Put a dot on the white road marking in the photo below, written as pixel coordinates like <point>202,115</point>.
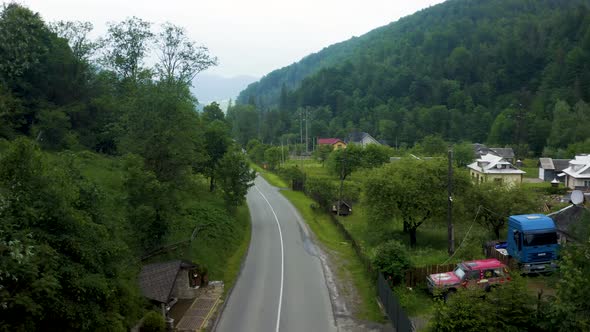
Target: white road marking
<point>282,258</point>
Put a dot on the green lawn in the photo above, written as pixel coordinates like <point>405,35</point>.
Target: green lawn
<point>272,178</point>
<point>349,265</point>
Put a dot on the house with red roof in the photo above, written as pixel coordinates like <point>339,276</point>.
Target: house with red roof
<point>336,143</point>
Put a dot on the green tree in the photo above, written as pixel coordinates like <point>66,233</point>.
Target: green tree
<point>322,152</point>
<point>213,112</point>
<point>217,143</point>
<point>412,191</point>
<point>345,161</point>
<point>392,259</point>
<point>125,46</point>
<point>234,177</point>
<point>463,154</point>
<point>509,307</point>
<point>180,59</point>
<point>76,33</point>
<point>375,155</point>
<point>571,310</point>
<point>273,156</point>
<point>498,202</point>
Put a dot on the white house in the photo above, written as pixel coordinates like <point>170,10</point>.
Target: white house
<point>492,168</point>
<point>577,175</point>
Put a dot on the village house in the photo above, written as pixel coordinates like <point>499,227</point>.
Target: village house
<point>493,168</point>
<point>336,143</point>
<point>549,169</point>
<point>506,153</point>
<point>577,174</point>
<point>361,138</point>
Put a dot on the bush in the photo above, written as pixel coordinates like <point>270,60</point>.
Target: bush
<point>321,189</point>
<point>289,174</point>
<point>392,259</point>
<point>153,322</point>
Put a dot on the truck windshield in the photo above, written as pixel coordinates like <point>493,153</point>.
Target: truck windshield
<point>540,239</point>
<point>459,272</point>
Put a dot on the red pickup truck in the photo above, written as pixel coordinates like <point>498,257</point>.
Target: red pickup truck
<point>482,273</point>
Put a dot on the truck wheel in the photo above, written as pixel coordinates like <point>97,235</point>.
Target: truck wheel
<point>449,293</point>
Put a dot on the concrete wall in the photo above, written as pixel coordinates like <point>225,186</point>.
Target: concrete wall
<point>505,179</point>
<point>572,183</point>
<point>182,289</point>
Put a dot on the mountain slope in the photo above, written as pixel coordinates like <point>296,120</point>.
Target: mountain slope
<point>464,69</point>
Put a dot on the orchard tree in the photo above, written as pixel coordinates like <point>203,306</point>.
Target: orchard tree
<point>345,161</point>
<point>272,156</point>
<point>322,152</point>
<point>413,191</point>
<point>498,202</point>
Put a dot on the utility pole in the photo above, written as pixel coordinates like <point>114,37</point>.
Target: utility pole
<point>301,126</point>
<point>451,232</point>
<point>306,136</point>
<point>341,183</point>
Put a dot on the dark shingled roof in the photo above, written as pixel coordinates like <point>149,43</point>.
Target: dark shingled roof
<point>156,281</point>
<point>506,153</point>
<point>561,164</point>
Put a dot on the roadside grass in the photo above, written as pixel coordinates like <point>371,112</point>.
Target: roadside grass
<point>348,262</point>
<point>272,178</point>
<point>234,262</point>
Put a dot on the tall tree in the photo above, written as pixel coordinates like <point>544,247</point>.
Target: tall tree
<point>76,33</point>
<point>126,45</point>
<point>180,59</point>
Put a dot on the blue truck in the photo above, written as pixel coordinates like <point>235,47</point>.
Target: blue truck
<point>531,242</point>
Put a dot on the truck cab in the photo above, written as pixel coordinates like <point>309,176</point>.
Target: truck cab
<point>532,241</point>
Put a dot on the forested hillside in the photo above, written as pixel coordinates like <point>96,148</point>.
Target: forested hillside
<point>103,159</point>
<point>506,72</point>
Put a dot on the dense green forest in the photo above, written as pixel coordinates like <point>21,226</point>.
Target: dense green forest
<point>506,72</point>
<point>102,159</point>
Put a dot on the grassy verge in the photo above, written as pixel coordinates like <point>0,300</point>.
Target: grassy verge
<point>272,178</point>
<point>349,266</point>
<point>235,261</point>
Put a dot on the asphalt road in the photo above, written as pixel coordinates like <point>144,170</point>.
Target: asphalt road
<point>282,286</point>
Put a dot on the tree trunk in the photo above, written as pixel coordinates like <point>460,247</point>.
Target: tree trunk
<point>212,184</point>
<point>412,231</point>
<point>497,232</point>
<point>405,227</point>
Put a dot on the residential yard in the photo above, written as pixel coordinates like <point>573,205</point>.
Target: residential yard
<point>431,246</point>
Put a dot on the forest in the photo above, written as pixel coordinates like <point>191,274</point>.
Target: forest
<point>504,72</point>
<point>102,159</point>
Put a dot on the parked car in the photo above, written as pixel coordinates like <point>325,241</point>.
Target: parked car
<point>484,273</point>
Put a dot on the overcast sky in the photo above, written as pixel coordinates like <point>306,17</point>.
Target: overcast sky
<point>250,37</point>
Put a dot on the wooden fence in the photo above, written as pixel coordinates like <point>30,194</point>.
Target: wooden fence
<point>418,275</point>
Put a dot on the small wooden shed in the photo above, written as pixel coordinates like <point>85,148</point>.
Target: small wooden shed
<point>345,208</point>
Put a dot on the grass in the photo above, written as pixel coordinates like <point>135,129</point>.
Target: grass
<point>272,178</point>
<point>349,265</point>
<point>234,262</point>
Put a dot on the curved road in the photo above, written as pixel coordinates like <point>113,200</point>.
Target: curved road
<point>282,285</point>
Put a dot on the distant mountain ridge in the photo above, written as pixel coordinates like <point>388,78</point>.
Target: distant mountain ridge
<point>209,87</point>
<point>505,72</point>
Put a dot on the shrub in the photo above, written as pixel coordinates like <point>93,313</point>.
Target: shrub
<point>392,259</point>
<point>321,189</point>
<point>153,322</point>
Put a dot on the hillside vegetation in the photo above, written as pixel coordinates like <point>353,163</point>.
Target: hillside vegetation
<point>103,160</point>
<point>506,72</point>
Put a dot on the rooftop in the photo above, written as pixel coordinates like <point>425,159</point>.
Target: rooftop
<point>329,140</point>
<point>533,222</point>
<point>490,163</point>
<point>483,264</point>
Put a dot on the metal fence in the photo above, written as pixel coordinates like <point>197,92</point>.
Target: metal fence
<point>400,321</point>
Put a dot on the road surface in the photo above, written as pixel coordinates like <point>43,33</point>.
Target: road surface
<point>282,286</point>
